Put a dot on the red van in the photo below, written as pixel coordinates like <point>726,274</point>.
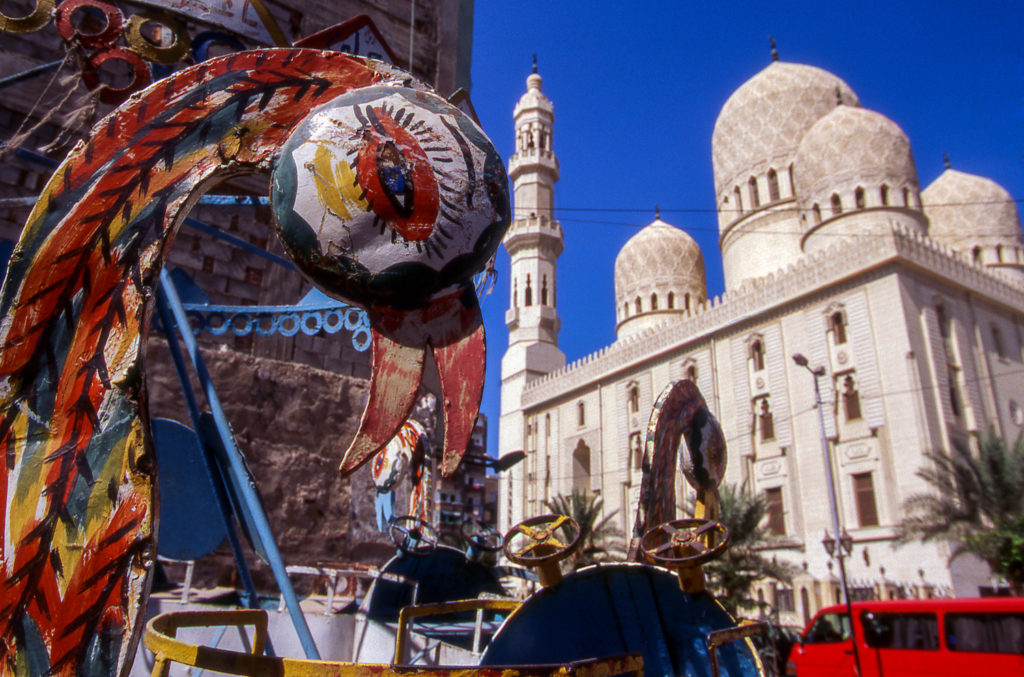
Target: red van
<point>914,637</point>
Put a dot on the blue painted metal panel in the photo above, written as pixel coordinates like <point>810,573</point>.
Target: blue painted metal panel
<point>614,609</point>
<point>186,495</point>
<point>444,575</point>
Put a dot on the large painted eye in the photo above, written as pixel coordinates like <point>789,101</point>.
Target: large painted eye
<point>394,170</point>
<point>390,195</point>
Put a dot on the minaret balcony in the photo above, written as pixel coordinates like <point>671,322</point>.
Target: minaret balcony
<point>535,160</point>
<point>534,233</point>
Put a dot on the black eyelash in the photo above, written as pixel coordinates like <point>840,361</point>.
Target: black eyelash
<point>446,203</point>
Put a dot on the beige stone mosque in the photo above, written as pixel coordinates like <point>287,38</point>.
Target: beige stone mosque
<point>911,300</point>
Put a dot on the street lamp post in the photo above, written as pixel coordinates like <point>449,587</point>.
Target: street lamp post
<point>836,549</point>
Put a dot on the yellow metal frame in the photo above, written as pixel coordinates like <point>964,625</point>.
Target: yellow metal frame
<point>160,639</point>
<point>407,614</point>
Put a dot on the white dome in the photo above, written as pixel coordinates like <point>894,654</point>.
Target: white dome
<point>659,265</point>
<point>851,149</point>
<point>762,123</point>
<point>965,211</point>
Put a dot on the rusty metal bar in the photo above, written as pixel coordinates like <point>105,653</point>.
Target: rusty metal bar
<point>407,614</point>
<point>160,639</point>
<point>717,638</point>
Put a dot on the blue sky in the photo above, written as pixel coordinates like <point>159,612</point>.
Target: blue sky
<point>636,91</point>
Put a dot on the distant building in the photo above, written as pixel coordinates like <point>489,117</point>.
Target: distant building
<point>463,496</point>
<point>912,301</point>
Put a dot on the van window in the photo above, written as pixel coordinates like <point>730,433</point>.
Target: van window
<point>901,631</point>
<point>829,628</point>
<point>985,632</point>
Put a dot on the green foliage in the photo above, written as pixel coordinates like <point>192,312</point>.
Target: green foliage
<point>976,504</point>
<point>601,540</point>
<point>733,575</point>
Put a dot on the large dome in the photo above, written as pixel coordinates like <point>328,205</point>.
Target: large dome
<point>761,124</point>
<point>659,270</point>
<point>851,150</point>
<point>966,211</point>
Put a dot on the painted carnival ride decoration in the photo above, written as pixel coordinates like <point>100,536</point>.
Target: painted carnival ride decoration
<point>605,619</point>
<point>76,481</point>
<point>406,453</point>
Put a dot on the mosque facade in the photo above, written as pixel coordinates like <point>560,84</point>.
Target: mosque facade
<point>911,300</point>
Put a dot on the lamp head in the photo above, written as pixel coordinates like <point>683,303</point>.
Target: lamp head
<point>829,543</point>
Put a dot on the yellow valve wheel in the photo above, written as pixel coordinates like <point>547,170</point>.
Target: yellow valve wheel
<point>543,548</point>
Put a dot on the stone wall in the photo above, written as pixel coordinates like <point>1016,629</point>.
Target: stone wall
<point>292,422</point>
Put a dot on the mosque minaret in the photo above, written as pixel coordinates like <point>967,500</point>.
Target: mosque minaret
<point>534,242</point>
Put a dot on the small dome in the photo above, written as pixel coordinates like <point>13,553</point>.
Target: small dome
<point>533,98</point>
<point>762,123</point>
<point>966,211</point>
<point>661,267</point>
<point>851,149</point>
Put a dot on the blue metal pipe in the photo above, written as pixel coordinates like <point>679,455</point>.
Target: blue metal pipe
<point>223,503</point>
<point>238,468</point>
<point>30,73</point>
<point>238,242</point>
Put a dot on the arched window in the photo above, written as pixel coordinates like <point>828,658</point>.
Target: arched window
<point>755,199</point>
<point>625,310</point>
<point>528,294</point>
<point>686,300</point>
<point>997,341</point>
<point>654,301</point>
<point>757,355</point>
<point>955,399</point>
<point>581,413</point>
<point>773,185</point>
<point>976,252</point>
<point>739,200</point>
<point>883,194</point>
<point>858,198</point>
<point>943,321</point>
<point>765,420</point>
<point>544,291</point>
<point>792,183</point>
<point>999,253</point>
<point>817,213</point>
<point>581,467</point>
<point>837,204</point>
<point>637,305</point>
<point>837,325</point>
<point>515,293</point>
<point>691,373</point>
<point>671,300</point>
<point>906,196</point>
<point>633,397</point>
<point>851,399</point>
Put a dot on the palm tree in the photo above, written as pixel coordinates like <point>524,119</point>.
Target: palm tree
<point>976,504</point>
<point>744,562</point>
<point>601,540</point>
